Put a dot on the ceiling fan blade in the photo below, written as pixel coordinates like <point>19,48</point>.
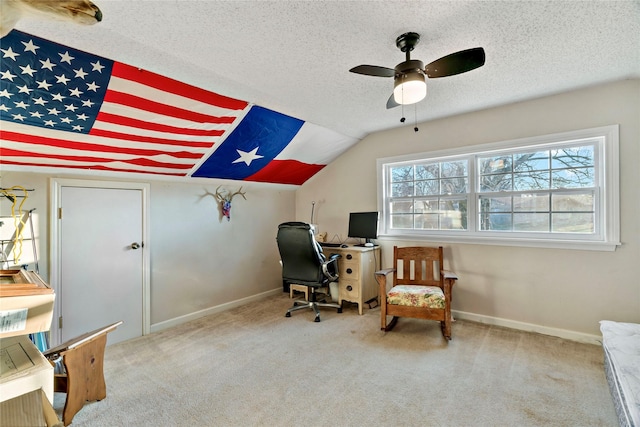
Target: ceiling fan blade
<point>391,102</point>
<point>373,70</point>
<point>456,63</point>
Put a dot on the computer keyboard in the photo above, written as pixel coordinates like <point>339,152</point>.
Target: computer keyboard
<point>329,245</point>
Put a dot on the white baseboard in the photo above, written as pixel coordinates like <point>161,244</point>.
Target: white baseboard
<point>488,320</point>
<point>156,327</point>
<point>529,327</point>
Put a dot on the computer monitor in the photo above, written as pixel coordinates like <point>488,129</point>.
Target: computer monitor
<point>363,225</point>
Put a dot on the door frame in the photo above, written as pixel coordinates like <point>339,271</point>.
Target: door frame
<point>55,188</point>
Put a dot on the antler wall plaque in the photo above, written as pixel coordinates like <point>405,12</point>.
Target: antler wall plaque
<point>224,198</point>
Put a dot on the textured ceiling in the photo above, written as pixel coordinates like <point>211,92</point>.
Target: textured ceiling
<point>293,56</point>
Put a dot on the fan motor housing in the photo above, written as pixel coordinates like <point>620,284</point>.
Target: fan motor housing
<point>409,66</point>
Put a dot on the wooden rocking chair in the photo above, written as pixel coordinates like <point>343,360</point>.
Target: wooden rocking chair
<point>420,289</point>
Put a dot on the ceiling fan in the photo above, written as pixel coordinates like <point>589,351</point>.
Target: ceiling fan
<point>409,76</point>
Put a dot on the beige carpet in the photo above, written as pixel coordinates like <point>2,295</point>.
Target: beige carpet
<point>251,366</point>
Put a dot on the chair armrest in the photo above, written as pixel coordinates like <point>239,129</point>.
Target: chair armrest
<point>449,279</point>
<point>333,259</point>
<point>385,271</point>
<point>448,275</point>
<point>381,278</point>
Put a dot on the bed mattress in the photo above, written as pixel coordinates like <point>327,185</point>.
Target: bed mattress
<point>621,343</point>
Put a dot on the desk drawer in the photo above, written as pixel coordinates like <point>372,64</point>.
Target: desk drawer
<point>349,290</point>
<point>349,267</point>
<point>350,271</point>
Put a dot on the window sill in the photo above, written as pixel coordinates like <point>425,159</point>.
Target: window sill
<point>581,245</point>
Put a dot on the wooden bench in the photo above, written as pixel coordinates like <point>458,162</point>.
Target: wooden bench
<point>83,360</point>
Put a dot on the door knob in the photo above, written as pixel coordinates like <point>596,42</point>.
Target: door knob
<point>135,245</point>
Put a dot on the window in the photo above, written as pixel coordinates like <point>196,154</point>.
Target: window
<point>551,191</point>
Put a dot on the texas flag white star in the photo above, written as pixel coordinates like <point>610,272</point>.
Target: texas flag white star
<point>247,157</point>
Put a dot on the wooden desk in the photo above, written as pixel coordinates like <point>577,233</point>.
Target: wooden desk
<point>357,266</point>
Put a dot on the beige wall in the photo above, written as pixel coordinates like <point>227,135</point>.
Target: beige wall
<point>198,263</point>
<point>554,291</point>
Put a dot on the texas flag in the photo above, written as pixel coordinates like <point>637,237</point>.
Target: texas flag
<point>271,147</point>
<point>65,108</point>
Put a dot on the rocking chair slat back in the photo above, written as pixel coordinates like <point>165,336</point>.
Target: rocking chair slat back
<point>418,266</point>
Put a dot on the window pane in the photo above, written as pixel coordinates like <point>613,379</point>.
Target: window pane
<point>495,204</point>
<point>531,203</point>
<point>427,222</point>
<point>402,221</point>
<point>403,189</point>
<point>453,169</point>
<point>401,206</point>
<point>427,171</point>
<point>573,202</point>
<point>453,214</point>
<point>573,222</point>
<point>403,173</point>
<point>495,183</point>
<point>495,222</point>
<point>420,206</point>
<point>531,181</point>
<point>498,164</point>
<point>527,162</point>
<point>572,157</point>
<point>454,186</point>
<point>573,178</point>
<point>531,222</point>
<point>427,188</point>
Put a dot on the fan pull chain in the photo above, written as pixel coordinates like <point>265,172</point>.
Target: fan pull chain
<point>415,129</point>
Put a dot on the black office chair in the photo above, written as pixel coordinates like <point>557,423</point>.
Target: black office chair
<point>303,263</point>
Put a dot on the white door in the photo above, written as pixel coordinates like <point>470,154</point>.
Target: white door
<point>101,261</point>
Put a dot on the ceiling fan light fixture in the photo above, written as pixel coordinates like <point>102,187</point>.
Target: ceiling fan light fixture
<point>409,88</point>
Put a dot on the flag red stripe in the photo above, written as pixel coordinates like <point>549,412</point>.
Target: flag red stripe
<point>141,124</point>
<point>151,140</point>
<point>18,153</point>
<point>166,110</point>
<point>285,172</point>
<point>73,145</point>
<point>169,85</point>
<point>94,167</point>
<point>137,161</point>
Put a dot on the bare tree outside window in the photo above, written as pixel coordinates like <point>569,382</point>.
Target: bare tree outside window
<point>549,190</point>
<point>518,191</point>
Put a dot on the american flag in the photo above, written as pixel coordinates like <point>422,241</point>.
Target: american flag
<point>64,108</point>
<point>61,107</point>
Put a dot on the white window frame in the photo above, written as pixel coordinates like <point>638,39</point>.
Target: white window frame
<point>606,236</point>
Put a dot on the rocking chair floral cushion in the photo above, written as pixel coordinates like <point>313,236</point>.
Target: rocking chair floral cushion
<point>420,288</point>
<point>417,296</point>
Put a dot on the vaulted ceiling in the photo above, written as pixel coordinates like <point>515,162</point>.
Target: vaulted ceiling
<point>283,66</point>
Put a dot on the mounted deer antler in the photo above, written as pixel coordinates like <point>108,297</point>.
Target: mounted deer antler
<point>224,198</point>
<point>78,11</point>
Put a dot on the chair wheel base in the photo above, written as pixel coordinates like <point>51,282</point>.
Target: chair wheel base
<point>317,319</point>
<point>287,314</point>
<point>340,310</point>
